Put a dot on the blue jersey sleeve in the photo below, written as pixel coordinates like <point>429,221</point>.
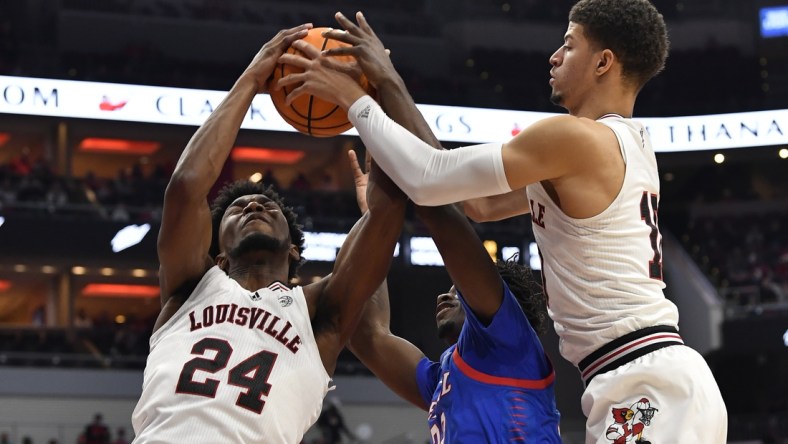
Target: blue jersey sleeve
<point>427,377</point>
<point>507,347</point>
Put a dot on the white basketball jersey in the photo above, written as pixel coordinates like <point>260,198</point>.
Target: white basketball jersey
<point>233,366</point>
<point>603,274</point>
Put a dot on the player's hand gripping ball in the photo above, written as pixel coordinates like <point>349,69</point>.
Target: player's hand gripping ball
<point>309,114</point>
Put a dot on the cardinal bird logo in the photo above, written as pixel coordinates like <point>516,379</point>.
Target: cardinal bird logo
<point>629,423</point>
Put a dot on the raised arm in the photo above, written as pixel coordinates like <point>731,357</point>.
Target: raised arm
<point>360,267</point>
<point>185,234</point>
<point>546,150</point>
<point>466,259</point>
<point>392,359</point>
<point>470,267</point>
<point>392,94</point>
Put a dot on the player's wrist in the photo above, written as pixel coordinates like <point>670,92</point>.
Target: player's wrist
<point>393,83</point>
<point>249,80</point>
<point>358,104</point>
<point>349,98</point>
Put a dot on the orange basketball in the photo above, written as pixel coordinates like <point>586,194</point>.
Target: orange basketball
<point>309,114</point>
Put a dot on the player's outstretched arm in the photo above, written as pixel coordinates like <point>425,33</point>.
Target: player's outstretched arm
<point>185,233</point>
<point>549,149</point>
<point>392,94</point>
<point>469,265</point>
<point>392,359</point>
<point>546,150</point>
<point>361,266</point>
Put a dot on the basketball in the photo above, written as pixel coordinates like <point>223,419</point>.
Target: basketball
<point>309,114</point>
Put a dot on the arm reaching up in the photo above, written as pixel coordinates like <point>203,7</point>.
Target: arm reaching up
<point>392,359</point>
<point>403,146</point>
<point>185,234</point>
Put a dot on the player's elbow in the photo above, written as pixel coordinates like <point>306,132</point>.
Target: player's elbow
<point>474,212</point>
<point>362,344</point>
<point>425,196</point>
<point>179,187</point>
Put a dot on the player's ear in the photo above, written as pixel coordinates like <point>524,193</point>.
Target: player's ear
<point>222,262</point>
<point>294,254</point>
<point>604,61</point>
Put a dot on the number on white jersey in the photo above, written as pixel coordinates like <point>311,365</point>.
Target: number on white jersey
<point>258,365</point>
<point>648,213</point>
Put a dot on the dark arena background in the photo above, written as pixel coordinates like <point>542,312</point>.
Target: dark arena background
<point>99,97</point>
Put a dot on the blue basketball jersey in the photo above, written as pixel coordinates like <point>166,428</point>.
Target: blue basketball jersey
<point>494,386</point>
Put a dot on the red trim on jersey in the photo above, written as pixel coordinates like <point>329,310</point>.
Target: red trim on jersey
<point>278,286</point>
<point>655,338</point>
<point>535,384</point>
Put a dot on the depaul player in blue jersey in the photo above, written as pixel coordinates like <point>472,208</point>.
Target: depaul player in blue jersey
<point>494,384</point>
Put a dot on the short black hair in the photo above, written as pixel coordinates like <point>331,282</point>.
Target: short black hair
<point>232,191</point>
<point>633,29</point>
<point>527,290</point>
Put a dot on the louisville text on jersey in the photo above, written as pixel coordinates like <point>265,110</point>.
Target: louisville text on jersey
<point>249,317</point>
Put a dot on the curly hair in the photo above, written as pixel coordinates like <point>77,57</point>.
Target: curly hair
<point>527,291</point>
<point>232,191</point>
<point>633,29</point>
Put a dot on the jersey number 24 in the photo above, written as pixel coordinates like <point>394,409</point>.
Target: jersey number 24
<point>251,374</point>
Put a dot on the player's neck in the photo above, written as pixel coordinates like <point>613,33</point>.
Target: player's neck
<point>599,106</point>
<point>253,276</point>
<point>608,97</point>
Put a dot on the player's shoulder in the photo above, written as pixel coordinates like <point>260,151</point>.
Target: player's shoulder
<point>564,134</point>
<point>570,126</point>
<point>561,129</point>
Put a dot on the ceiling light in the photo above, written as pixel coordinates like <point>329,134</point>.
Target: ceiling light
<point>120,146</point>
<point>120,291</point>
<point>266,155</point>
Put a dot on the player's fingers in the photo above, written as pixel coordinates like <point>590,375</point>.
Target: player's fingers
<point>341,51</point>
<point>367,160</point>
<point>294,94</point>
<point>357,173</point>
<point>295,60</point>
<point>290,79</point>
<point>310,51</point>
<point>346,23</point>
<point>363,24</point>
<point>288,36</point>
<point>349,68</point>
<point>341,36</point>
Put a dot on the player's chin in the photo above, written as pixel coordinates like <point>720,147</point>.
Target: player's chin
<point>446,327</point>
<point>556,98</point>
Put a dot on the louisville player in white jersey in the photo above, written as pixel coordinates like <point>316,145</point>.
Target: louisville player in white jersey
<point>237,355</point>
<point>589,180</point>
